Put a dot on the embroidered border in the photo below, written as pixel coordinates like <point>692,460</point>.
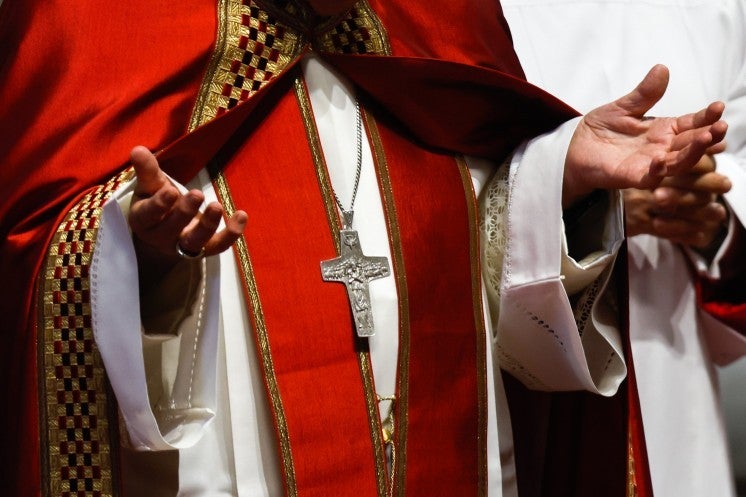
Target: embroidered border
<point>402,404</point>
<point>360,32</point>
<point>77,406</point>
<point>631,476</point>
<point>481,335</point>
<point>252,47</point>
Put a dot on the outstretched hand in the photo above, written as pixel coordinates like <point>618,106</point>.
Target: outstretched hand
<point>683,209</point>
<point>616,146</point>
<point>162,219</point>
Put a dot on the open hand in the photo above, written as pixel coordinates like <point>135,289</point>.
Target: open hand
<point>162,219</point>
<point>616,146</point>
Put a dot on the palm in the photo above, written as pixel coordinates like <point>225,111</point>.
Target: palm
<point>615,146</point>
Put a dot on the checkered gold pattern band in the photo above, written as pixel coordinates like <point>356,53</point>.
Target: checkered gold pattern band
<point>255,44</point>
<point>252,48</point>
<point>77,406</point>
<point>360,32</point>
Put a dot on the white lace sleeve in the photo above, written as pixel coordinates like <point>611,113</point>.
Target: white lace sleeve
<point>542,337</point>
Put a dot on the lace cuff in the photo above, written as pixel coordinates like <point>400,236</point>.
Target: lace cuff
<point>541,337</point>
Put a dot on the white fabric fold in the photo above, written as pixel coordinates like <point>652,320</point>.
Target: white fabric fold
<point>537,330</point>
<point>115,307</point>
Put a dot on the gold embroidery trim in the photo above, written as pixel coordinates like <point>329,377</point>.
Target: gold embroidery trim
<point>631,477</point>
<point>314,144</point>
<point>251,48</point>
<point>402,401</point>
<point>360,32</point>
<point>75,425</point>
<point>481,338</point>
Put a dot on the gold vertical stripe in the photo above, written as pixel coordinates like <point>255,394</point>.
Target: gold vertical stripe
<point>381,45</point>
<point>263,340</point>
<point>631,477</point>
<point>364,362</point>
<point>481,338</point>
<point>314,144</point>
<point>200,106</point>
<point>371,402</point>
<point>402,401</point>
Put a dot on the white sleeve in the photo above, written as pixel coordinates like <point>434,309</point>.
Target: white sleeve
<point>537,336</point>
<point>165,386</point>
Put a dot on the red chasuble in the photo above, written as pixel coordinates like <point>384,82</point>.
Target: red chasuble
<point>83,82</point>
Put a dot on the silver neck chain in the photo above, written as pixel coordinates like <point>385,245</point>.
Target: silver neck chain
<point>359,167</point>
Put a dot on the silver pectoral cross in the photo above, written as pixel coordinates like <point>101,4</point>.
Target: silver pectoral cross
<point>355,270</point>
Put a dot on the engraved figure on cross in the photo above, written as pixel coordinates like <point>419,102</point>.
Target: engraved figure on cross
<point>356,270</point>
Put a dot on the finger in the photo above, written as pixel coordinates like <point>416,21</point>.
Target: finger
<point>687,148</point>
<point>222,240</point>
<point>704,117</point>
<point>712,183</point>
<point>718,131</point>
<point>705,165</point>
<point>150,178</point>
<point>717,148</point>
<point>162,234</point>
<point>148,212</point>
<point>684,232</point>
<point>706,136</point>
<point>185,212</point>
<point>202,227</point>
<point>667,198</point>
<point>647,93</point>
<point>708,216</point>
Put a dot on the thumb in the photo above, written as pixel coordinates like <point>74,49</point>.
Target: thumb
<point>647,93</point>
<point>150,178</point>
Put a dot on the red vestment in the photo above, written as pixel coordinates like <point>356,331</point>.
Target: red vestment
<point>82,84</point>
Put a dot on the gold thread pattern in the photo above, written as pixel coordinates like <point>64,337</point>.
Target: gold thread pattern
<point>360,32</point>
<point>481,338</point>
<point>402,404</point>
<point>252,47</point>
<point>79,443</point>
<point>314,144</point>
<point>255,44</point>
<point>631,477</point>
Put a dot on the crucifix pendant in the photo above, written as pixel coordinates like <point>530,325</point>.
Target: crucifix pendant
<point>355,270</point>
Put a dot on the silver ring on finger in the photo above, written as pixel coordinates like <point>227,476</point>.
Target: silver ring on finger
<point>188,254</point>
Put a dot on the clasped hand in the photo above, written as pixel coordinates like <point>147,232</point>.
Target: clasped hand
<point>683,209</point>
